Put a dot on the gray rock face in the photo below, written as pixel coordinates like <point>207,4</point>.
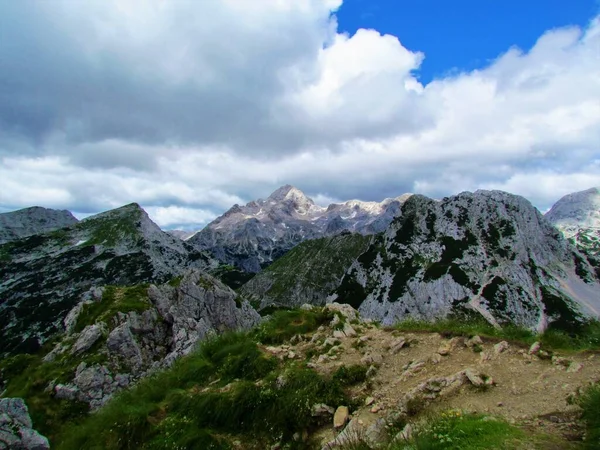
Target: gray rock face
<point>252,236</point>
<point>16,430</point>
<point>181,234</point>
<point>488,253</point>
<point>141,342</point>
<point>577,216</point>
<point>43,276</point>
<point>30,221</point>
<point>87,338</point>
<point>306,274</point>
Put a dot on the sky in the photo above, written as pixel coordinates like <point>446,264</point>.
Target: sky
<point>188,107</point>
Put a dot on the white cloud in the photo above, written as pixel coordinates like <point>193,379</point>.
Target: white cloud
<point>190,107</point>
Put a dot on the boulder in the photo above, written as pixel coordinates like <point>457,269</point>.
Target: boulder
<point>341,416</point>
<point>16,429</point>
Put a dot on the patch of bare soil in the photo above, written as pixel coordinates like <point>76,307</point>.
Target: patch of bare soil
<point>523,388</point>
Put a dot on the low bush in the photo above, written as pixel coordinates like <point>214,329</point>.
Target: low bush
<point>590,403</point>
<point>284,324</point>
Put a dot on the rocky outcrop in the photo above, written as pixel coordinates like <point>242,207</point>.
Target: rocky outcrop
<point>577,216</point>
<point>35,220</point>
<point>136,343</point>
<point>250,237</point>
<point>487,253</point>
<point>43,276</point>
<point>307,273</point>
<point>16,429</point>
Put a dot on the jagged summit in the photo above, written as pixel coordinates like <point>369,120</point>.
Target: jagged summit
<point>253,235</point>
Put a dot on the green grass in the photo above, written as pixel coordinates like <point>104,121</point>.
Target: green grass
<point>351,375</point>
<point>114,300</point>
<point>457,431</point>
<point>590,403</point>
<point>207,400</point>
<point>285,324</point>
<point>587,337</point>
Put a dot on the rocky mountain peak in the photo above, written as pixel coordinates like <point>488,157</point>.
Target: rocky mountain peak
<point>252,236</point>
<point>576,210</point>
<point>29,221</point>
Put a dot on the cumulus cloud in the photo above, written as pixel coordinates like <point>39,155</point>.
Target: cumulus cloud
<point>190,107</point>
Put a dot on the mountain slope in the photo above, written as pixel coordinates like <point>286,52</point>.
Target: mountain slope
<point>30,221</point>
<point>307,273</point>
<point>42,276</point>
<point>252,236</point>
<point>488,252</point>
<point>577,216</point>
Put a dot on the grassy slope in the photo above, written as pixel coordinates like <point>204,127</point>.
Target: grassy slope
<point>318,264</point>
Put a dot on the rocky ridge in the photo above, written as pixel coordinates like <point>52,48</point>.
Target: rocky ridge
<point>116,336</point>
<point>35,220</point>
<point>252,236</point>
<point>43,276</point>
<point>487,253</point>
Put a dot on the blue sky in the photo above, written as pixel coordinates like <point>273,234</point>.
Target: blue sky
<point>463,34</point>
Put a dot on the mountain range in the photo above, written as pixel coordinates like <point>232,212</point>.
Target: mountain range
<point>250,237</point>
<point>487,253</point>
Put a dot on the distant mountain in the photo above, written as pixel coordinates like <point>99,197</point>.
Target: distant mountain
<point>252,236</point>
<point>43,276</point>
<point>30,221</point>
<point>306,274</point>
<point>490,254</point>
<point>577,216</point>
<point>181,234</point>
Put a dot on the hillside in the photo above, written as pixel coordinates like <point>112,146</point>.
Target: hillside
<point>30,221</point>
<point>43,276</point>
<point>326,379</point>
<point>306,274</point>
<point>489,254</point>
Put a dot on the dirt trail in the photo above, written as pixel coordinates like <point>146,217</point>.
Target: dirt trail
<point>527,390</point>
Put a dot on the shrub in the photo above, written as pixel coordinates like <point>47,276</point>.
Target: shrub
<point>285,324</point>
<point>590,403</point>
<point>350,375</point>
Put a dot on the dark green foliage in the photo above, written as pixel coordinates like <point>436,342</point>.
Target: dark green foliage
<point>494,294</point>
<point>236,356</point>
<point>350,375</point>
<point>232,276</point>
<point>561,312</point>
<point>182,407</point>
<point>285,324</point>
<point>590,403</point>
<point>351,292</point>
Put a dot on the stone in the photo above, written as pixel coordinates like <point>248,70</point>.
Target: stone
<point>446,347</point>
<point>371,371</point>
<point>374,359</point>
<point>560,361</point>
<point>574,367</point>
<point>16,430</point>
<point>348,330</point>
<point>473,341</point>
<point>341,416</point>
<point>87,338</point>
<point>369,401</point>
<point>344,309</point>
<point>396,345</point>
<point>436,358</point>
<point>535,348</point>
<point>474,378</point>
<point>67,392</point>
<point>321,410</point>
<point>375,409</point>
<point>500,347</point>
<point>338,334</point>
<point>307,307</point>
